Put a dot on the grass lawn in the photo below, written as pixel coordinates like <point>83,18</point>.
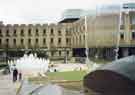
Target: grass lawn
<point>70,75</point>
<point>74,79</point>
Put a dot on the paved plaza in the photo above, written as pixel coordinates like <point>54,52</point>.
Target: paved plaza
<point>6,85</point>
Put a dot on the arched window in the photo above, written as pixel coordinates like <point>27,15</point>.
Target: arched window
<point>44,41</point>
<point>36,40</point>
<point>22,41</point>
<point>59,33</point>
<point>22,32</point>
<point>29,41</point>
<point>29,32</point>
<point>44,32</point>
<point>52,32</point>
<point>37,32</point>
<point>59,40</point>
<point>14,41</point>
<point>7,32</point>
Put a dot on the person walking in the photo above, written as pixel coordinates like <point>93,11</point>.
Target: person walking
<point>15,74</point>
<point>20,76</point>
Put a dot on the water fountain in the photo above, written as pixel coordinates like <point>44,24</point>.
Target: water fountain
<point>30,64</point>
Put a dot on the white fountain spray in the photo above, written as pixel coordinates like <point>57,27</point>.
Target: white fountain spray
<point>30,64</point>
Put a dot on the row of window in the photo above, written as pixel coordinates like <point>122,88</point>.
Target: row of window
<point>60,53</point>
<point>68,41</point>
<point>122,35</point>
<point>30,32</point>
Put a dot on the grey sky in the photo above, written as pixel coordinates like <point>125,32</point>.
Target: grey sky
<point>43,11</point>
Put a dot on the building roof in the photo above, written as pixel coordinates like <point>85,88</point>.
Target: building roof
<point>69,20</point>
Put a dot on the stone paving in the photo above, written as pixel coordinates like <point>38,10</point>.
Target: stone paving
<point>7,87</point>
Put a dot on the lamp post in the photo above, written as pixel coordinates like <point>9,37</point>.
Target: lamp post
<point>6,53</point>
<point>6,57</point>
<point>119,30</point>
<point>86,40</point>
<point>66,59</point>
<point>118,33</point>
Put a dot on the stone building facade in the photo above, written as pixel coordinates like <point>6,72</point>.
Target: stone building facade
<point>53,40</point>
<point>105,32</point>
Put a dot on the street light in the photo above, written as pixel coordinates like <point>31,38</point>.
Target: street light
<point>6,53</point>
<point>87,61</point>
<point>6,59</point>
<point>118,34</point>
<point>86,45</point>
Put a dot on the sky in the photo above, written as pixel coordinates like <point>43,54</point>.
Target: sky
<point>44,11</point>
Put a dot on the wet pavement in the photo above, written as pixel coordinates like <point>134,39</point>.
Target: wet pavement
<point>53,89</point>
<point>7,87</point>
<point>27,88</point>
<point>48,89</point>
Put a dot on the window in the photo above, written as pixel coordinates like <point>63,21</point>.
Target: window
<point>7,33</point>
<point>0,41</point>
<point>59,40</point>
<point>52,32</point>
<point>133,35</point>
<point>68,32</point>
<point>14,41</point>
<point>0,32</point>
<point>7,41</point>
<point>122,36</point>
<point>59,33</point>
<point>67,53</point>
<point>44,32</point>
<point>121,27</point>
<point>51,40</point>
<point>22,32</point>
<point>59,53</point>
<point>44,41</point>
<point>14,33</point>
<point>67,40</point>
<point>52,53</point>
<point>29,32</point>
<point>36,30</point>
<point>29,41</point>
<point>22,41</point>
<point>37,34</point>
<point>84,37</point>
<point>36,40</point>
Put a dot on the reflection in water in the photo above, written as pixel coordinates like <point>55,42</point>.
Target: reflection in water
<point>53,89</point>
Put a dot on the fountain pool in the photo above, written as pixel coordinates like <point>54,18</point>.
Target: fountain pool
<point>30,64</point>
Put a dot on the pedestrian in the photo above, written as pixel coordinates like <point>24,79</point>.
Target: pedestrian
<point>20,76</point>
<point>15,74</point>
